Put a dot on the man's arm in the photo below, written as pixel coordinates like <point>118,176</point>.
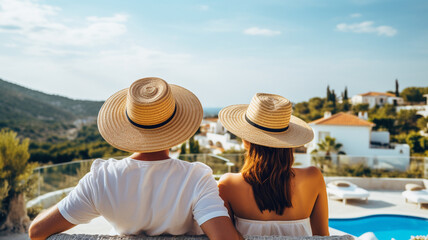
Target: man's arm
<point>48,223</point>
<point>220,228</point>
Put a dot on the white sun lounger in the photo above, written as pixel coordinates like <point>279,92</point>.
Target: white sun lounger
<point>418,197</point>
<point>341,191</point>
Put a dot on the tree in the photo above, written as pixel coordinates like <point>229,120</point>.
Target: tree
<point>327,146</point>
<point>328,97</point>
<point>194,145</point>
<point>397,92</point>
<point>345,94</point>
<point>422,124</point>
<point>414,94</point>
<point>345,106</point>
<point>333,100</point>
<point>415,143</point>
<point>16,179</point>
<point>183,148</point>
<point>364,107</point>
<point>407,121</point>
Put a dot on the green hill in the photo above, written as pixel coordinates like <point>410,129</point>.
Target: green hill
<point>38,115</point>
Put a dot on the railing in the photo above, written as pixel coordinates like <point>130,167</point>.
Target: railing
<point>371,166</point>
<point>65,175</point>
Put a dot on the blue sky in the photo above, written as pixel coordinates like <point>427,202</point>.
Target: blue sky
<point>223,51</point>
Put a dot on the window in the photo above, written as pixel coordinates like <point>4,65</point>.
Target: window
<point>322,135</point>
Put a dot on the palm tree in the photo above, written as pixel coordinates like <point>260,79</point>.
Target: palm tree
<point>327,146</point>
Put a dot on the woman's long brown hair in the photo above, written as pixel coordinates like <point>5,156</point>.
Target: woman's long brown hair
<point>268,170</point>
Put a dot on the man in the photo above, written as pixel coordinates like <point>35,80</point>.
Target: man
<point>148,192</point>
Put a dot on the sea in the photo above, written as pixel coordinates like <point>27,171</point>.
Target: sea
<point>211,112</point>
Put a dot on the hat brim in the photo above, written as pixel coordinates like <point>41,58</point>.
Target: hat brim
<point>120,133</point>
<point>297,134</point>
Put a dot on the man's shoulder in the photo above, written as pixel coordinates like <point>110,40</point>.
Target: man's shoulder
<point>101,165</point>
<point>192,165</point>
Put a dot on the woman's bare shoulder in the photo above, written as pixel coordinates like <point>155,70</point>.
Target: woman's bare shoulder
<point>310,173</point>
<point>230,178</point>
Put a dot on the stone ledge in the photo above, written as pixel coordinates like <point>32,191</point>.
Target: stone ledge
<point>63,236</point>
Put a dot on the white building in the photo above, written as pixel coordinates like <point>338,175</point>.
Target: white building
<point>376,98</point>
<point>359,141</point>
<point>421,109</point>
<point>215,136</point>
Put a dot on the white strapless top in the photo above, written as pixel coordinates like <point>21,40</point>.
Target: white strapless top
<point>249,227</point>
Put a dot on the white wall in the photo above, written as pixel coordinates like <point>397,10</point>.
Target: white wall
<point>225,141</point>
<point>422,109</point>
<point>355,139</point>
<point>375,100</point>
<point>302,160</point>
<point>399,150</point>
<point>357,99</point>
<point>380,136</point>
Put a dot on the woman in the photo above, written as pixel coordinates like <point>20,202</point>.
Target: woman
<point>269,196</point>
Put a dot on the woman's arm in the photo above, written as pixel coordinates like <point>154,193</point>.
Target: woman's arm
<point>223,184</point>
<point>319,215</point>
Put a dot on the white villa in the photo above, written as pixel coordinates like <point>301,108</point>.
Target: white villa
<point>359,142</point>
<point>376,98</point>
<point>215,136</point>
<point>421,109</point>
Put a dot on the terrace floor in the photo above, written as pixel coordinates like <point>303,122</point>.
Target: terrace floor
<point>380,202</point>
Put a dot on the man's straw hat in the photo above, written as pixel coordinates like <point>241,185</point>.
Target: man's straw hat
<point>149,116</point>
<point>267,121</point>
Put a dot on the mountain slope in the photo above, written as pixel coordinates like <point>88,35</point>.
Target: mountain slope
<point>21,102</point>
<point>37,115</point>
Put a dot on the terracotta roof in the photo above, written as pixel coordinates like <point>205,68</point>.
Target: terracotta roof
<point>211,119</point>
<point>344,119</point>
<point>377,94</point>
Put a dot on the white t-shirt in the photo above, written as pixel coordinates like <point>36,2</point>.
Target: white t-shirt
<point>149,197</point>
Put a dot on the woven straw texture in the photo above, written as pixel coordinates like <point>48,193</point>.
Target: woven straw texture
<point>269,111</point>
<point>105,237</point>
<point>149,104</point>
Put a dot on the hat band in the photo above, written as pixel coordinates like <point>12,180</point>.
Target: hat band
<point>265,128</point>
<point>152,126</point>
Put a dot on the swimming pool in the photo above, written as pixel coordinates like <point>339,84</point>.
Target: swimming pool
<point>384,226</point>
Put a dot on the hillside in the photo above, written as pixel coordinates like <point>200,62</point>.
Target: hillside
<point>38,115</point>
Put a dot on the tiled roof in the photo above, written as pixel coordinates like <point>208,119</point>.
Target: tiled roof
<point>377,94</point>
<point>344,119</point>
<point>211,119</point>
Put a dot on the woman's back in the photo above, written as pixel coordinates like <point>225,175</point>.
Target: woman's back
<point>268,188</point>
<point>308,198</point>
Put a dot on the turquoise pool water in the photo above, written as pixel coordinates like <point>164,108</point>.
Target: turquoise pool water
<point>384,227</point>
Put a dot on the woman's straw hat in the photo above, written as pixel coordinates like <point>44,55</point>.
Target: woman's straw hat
<point>267,121</point>
<point>149,116</point>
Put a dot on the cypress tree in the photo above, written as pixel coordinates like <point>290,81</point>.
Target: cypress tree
<point>328,93</point>
<point>397,92</point>
<point>345,94</point>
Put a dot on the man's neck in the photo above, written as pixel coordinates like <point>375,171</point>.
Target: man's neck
<point>151,156</point>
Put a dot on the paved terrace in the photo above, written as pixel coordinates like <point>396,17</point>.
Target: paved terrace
<point>380,202</point>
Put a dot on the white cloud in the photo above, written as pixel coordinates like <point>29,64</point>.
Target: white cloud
<point>367,27</point>
<point>37,25</point>
<point>261,31</point>
<point>355,15</point>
